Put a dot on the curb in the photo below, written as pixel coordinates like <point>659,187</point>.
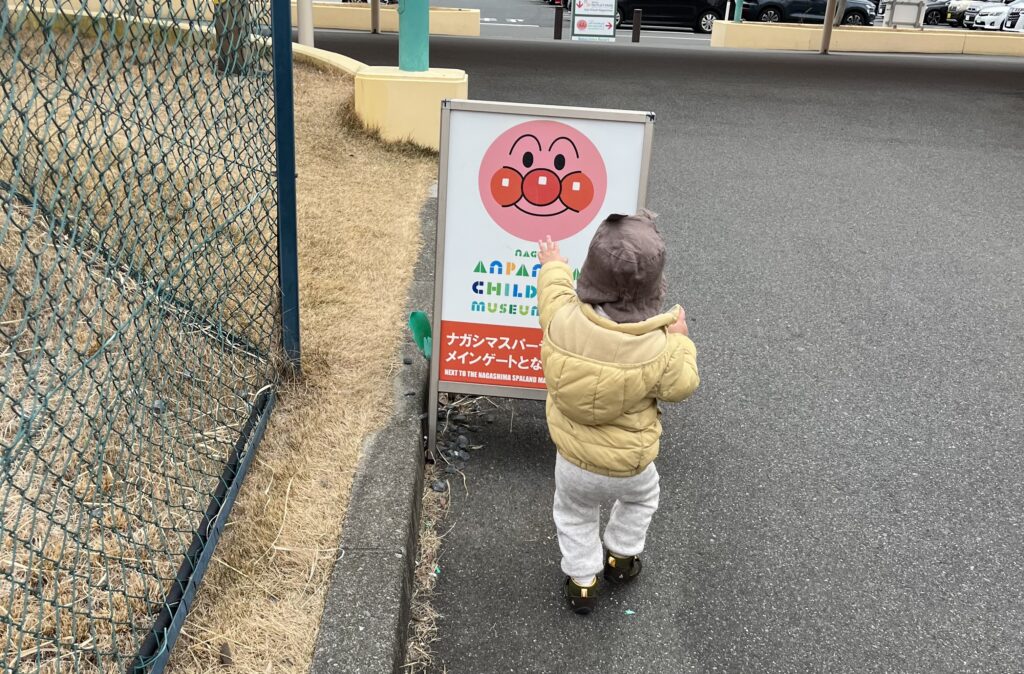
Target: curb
<point>366,614</point>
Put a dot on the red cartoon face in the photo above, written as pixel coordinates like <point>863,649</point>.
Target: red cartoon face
<point>540,178</point>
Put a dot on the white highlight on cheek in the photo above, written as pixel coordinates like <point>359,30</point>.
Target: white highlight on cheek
<point>542,180</point>
<point>576,186</point>
<point>504,182</point>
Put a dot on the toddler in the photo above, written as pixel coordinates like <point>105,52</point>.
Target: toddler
<point>609,356</point>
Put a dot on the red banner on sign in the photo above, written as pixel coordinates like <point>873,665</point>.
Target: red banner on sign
<point>495,355</point>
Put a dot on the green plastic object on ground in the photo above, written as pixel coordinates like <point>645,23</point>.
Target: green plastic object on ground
<point>419,324</point>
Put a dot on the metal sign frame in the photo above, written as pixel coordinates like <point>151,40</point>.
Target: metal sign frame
<point>538,111</point>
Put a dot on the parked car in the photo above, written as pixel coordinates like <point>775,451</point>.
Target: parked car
<point>934,11</point>
<point>1015,19</point>
<point>972,12</point>
<point>857,12</point>
<point>956,12</point>
<point>699,15</point>
<point>993,15</point>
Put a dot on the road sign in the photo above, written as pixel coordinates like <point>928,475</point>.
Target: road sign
<point>509,176</point>
<point>593,20</point>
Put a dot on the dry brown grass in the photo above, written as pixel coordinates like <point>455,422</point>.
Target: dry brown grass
<point>118,406</point>
<point>359,204</point>
<point>73,512</point>
<point>99,497</point>
<point>423,621</point>
<point>458,413</point>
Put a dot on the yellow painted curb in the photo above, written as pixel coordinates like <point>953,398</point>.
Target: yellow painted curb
<point>319,57</point>
<point>755,35</point>
<point>407,106</point>
<point>993,44</point>
<point>443,20</point>
<point>153,9</point>
<point>400,106</point>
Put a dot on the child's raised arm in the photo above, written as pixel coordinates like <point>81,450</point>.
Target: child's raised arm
<point>554,283</point>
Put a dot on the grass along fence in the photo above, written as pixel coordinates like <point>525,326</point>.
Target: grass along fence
<point>140,320</point>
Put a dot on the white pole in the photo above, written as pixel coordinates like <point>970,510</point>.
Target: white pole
<point>374,16</point>
<point>826,30</point>
<point>305,16</point>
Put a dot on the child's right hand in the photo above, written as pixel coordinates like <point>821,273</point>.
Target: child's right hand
<point>680,326</point>
<point>549,251</point>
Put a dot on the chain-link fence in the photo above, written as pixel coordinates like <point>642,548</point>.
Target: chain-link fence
<point>140,316</point>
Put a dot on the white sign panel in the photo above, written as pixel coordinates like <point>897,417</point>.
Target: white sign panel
<point>510,176</point>
<point>593,20</point>
<point>595,7</point>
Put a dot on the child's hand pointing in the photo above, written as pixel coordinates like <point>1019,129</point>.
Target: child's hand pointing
<point>549,251</point>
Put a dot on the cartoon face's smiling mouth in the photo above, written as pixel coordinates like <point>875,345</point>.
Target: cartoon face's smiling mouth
<point>545,212</point>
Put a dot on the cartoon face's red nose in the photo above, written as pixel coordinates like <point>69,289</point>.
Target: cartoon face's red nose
<point>541,187</point>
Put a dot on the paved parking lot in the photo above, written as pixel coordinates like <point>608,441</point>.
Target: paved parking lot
<point>843,494</point>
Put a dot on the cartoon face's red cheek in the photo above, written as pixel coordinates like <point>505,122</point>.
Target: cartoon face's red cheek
<point>577,191</point>
<point>506,186</point>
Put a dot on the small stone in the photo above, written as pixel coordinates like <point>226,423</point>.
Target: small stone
<point>159,406</point>
<point>462,442</point>
<point>407,360</point>
<point>226,658</point>
<point>439,486</point>
<point>451,470</point>
<point>489,418</point>
<point>460,418</point>
<point>459,455</point>
<point>473,429</point>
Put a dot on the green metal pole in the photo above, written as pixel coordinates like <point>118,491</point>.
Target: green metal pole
<point>737,14</point>
<point>414,35</point>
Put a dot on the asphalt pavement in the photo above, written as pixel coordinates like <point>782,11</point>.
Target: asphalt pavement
<point>844,492</point>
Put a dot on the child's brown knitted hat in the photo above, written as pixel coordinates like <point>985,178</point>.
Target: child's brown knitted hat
<point>623,270</point>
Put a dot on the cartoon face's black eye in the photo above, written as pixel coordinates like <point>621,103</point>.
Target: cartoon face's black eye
<point>528,159</point>
<point>559,162</point>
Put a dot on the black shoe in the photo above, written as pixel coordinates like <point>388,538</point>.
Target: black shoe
<point>581,599</point>
<point>620,570</point>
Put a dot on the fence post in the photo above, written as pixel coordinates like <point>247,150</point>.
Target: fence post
<point>738,12</point>
<point>638,19</point>
<point>559,17</point>
<point>284,116</point>
<point>374,16</point>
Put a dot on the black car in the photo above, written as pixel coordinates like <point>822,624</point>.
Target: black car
<point>857,12</point>
<point>699,15</point>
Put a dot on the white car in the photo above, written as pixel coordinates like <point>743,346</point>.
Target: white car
<point>1015,18</point>
<point>992,17</point>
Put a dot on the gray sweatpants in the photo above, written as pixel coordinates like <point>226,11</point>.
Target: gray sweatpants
<point>578,498</point>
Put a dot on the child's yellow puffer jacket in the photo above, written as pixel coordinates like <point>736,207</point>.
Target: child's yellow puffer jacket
<point>605,379</point>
